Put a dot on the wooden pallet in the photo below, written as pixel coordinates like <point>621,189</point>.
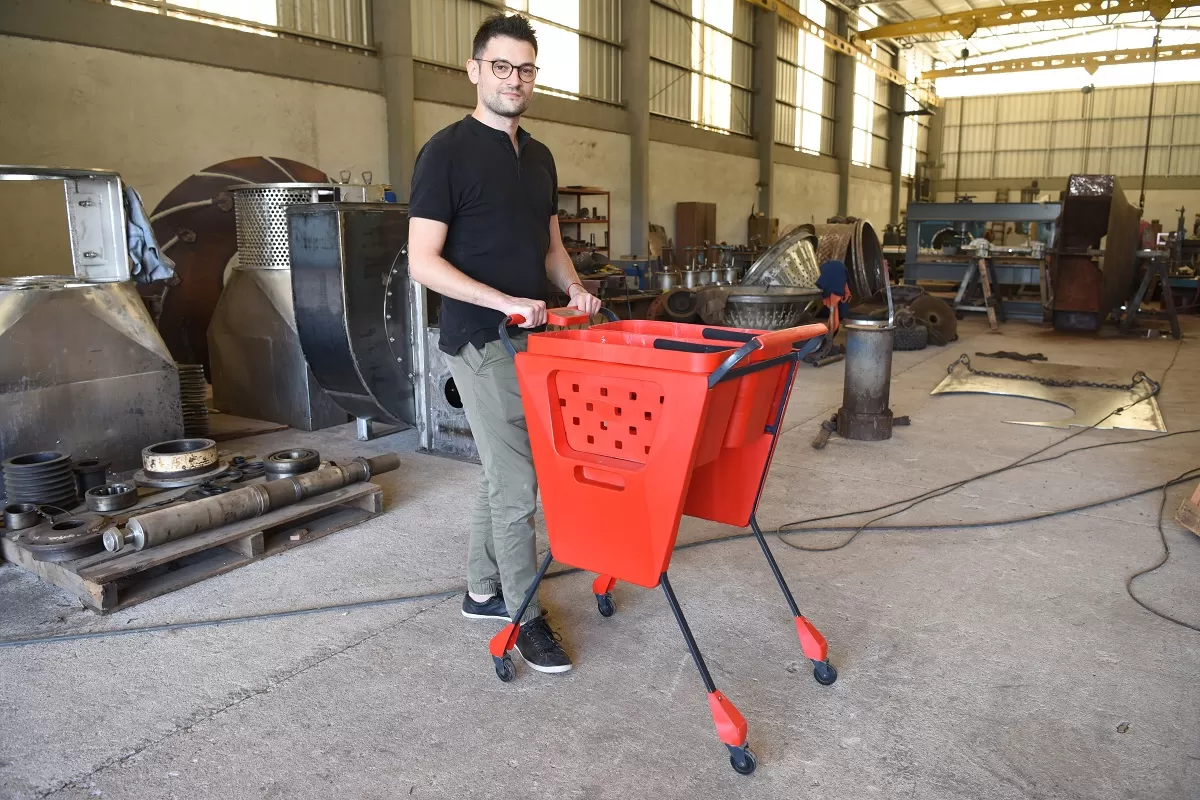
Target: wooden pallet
<point>107,582</point>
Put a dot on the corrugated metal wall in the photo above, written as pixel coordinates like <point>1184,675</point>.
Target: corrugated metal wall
<point>1046,134</point>
<point>677,80</point>
<point>443,29</point>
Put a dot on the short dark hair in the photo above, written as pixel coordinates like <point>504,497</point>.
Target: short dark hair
<point>513,26</point>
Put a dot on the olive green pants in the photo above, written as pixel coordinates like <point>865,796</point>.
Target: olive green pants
<point>502,549</point>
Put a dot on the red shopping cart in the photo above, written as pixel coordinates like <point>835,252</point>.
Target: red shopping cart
<point>634,423</point>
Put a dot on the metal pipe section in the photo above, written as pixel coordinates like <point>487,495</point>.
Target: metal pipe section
<point>176,522</point>
<point>864,413</point>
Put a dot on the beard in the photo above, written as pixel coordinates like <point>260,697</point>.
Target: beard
<point>502,106</point>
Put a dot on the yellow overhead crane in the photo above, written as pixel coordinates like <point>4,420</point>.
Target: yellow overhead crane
<point>1089,61</point>
<point>966,23</point>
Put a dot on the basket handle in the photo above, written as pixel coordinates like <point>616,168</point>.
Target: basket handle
<point>564,317</point>
<point>762,340</point>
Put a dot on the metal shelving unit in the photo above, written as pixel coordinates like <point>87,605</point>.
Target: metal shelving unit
<point>576,230</point>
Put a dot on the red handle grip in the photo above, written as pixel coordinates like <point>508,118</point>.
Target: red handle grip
<point>564,317</point>
<point>789,335</point>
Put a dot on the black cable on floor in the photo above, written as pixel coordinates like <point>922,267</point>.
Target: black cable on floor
<point>1162,536</point>
<point>1024,461</point>
<point>938,492</point>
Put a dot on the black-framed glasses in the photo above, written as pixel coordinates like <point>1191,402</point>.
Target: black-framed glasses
<point>502,69</point>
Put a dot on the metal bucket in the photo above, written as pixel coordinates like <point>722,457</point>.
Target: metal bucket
<point>866,392</point>
<point>666,281</point>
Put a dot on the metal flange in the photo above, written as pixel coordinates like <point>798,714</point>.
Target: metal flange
<point>111,497</point>
<point>297,461</point>
<point>179,458</point>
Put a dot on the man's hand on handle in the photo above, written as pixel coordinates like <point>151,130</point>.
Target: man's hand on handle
<point>533,312</point>
<point>582,300</point>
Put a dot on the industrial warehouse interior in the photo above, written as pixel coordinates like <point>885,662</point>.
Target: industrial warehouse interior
<point>599,399</point>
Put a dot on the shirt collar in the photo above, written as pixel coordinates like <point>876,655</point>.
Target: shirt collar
<point>523,135</point>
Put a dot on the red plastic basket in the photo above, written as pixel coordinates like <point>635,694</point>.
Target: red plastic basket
<point>628,436</point>
<point>634,424</point>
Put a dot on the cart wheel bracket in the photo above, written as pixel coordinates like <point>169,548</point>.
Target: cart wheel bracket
<point>824,672</point>
<point>505,670</point>
<point>742,759</point>
<point>604,604</point>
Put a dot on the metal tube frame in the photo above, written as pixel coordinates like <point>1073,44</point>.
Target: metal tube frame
<point>693,648</point>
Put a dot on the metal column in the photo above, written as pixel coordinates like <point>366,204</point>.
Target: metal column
<point>766,32</point>
<point>635,85</point>
<point>843,129</point>
<point>391,22</point>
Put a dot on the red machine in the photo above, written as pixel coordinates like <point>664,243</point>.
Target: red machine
<point>635,423</point>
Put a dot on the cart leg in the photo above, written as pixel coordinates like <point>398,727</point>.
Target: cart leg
<point>731,725</point>
<point>602,588</point>
<point>506,639</point>
<point>811,641</point>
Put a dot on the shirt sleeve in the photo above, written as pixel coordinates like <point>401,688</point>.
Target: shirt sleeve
<point>431,195</point>
<point>553,185</point>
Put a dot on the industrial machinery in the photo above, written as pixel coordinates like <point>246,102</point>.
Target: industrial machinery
<point>258,365</point>
<point>855,244</point>
<point>368,332</point>
<point>194,223</point>
<point>83,371</point>
<point>442,426</point>
<point>940,236</point>
<point>344,256</point>
<point>1093,271</point>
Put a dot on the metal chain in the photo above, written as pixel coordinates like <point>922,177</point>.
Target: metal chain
<point>1138,377</point>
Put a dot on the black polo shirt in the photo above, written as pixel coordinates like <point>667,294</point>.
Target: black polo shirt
<point>497,204</point>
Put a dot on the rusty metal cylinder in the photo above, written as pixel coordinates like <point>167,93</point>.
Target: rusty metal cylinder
<point>865,414</point>
<point>176,522</point>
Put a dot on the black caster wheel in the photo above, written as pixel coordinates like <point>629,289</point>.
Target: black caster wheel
<point>604,604</point>
<point>505,670</point>
<point>824,672</point>
<point>742,759</point>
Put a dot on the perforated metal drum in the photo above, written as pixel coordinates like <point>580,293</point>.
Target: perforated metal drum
<point>261,209</point>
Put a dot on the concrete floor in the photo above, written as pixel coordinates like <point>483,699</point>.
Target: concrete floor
<point>999,662</point>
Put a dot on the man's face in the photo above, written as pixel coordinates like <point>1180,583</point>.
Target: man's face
<point>509,96</point>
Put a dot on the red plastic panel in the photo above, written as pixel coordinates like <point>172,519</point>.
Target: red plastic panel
<point>608,416</point>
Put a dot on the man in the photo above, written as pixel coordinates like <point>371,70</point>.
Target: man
<point>483,233</point>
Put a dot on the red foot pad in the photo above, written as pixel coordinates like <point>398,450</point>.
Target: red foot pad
<point>811,641</point>
<point>603,584</point>
<point>505,640</point>
<point>731,725</point>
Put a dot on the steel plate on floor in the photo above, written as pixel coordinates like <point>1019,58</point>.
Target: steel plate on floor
<point>1091,406</point>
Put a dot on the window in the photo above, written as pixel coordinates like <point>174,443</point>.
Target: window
<point>915,134</point>
<point>810,89</point>
<point>556,24</point>
<point>869,142</point>
<point>804,89</point>
<point>712,53</point>
<point>701,59</point>
<point>342,23</point>
<point>262,12</point>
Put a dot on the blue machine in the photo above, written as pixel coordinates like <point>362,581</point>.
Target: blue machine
<point>954,225</point>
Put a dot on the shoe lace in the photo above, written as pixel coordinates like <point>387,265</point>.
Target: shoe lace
<point>543,637</point>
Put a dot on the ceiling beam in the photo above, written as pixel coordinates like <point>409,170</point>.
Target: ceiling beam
<point>966,23</point>
<point>1089,61</point>
<point>843,46</point>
